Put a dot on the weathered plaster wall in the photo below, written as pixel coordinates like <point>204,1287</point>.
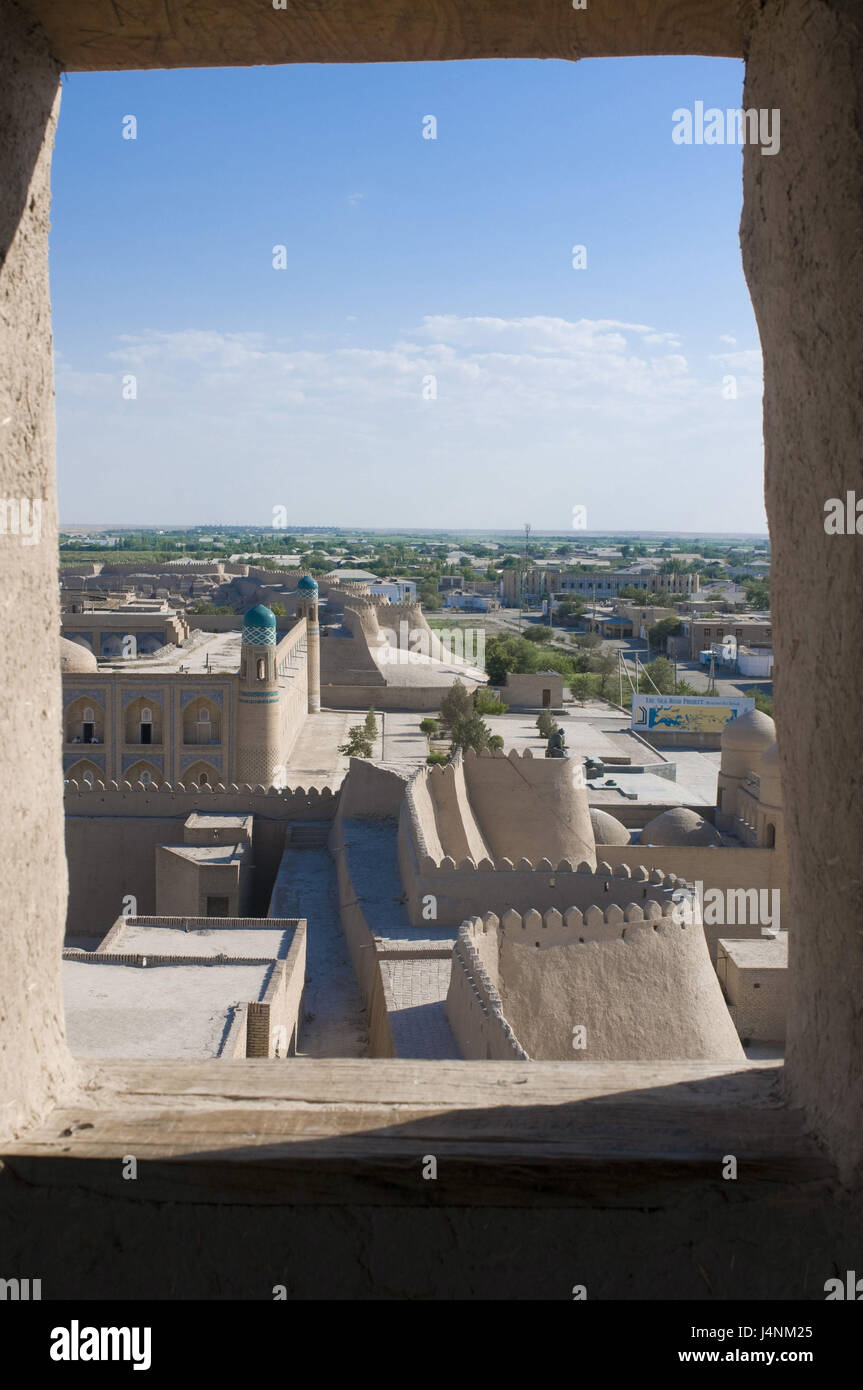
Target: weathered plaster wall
<point>726,869</point>
<point>112,839</point>
<point>553,819</point>
<point>643,990</point>
<point>33,1058</point>
<point>801,232</point>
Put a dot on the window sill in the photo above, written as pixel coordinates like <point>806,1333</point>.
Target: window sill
<point>504,1133</point>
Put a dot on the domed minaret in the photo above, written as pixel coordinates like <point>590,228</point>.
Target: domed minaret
<point>258,735</point>
<point>307,606</point>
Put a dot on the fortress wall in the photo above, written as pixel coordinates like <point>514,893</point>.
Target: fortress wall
<point>642,986</point>
<point>722,868</point>
<point>421,816</point>
<point>468,890</point>
<point>369,792</point>
<point>473,1004</point>
<point>418,699</point>
<point>458,832</point>
<point>553,815</point>
<point>119,833</point>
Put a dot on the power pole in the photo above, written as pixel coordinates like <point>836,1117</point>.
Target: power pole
<point>524,573</point>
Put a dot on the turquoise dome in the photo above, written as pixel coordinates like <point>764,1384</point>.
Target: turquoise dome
<point>307,585</point>
<point>259,627</point>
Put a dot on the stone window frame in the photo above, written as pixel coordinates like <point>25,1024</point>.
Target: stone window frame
<point>797,213</point>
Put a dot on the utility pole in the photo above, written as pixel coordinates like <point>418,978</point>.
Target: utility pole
<point>524,573</point>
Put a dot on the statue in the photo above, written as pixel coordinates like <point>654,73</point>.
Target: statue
<point>556,746</point>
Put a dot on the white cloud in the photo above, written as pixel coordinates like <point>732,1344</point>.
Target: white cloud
<point>524,407</point>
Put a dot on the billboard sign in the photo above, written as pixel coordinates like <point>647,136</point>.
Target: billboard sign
<point>690,714</point>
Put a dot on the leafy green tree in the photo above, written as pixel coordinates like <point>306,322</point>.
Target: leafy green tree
<point>538,632</point>
<point>495,743</point>
<point>570,610</point>
<point>371,724</point>
<point>428,593</point>
<point>510,653</point>
<point>604,665</point>
<point>485,702</point>
<point>580,686</point>
<point>757,592</point>
<point>278,610</point>
<point>429,727</point>
<point>358,744</point>
<point>545,723</point>
<point>438,758</point>
<point>661,672</point>
<point>456,704</point>
<point>657,636</point>
<point>586,640</point>
<point>469,731</point>
<point>763,702</point>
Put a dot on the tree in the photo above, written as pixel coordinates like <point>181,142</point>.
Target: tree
<point>586,640</point>
<point>485,702</point>
<point>538,632</point>
<point>763,702</point>
<point>657,636</point>
<point>511,653</point>
<point>605,666</point>
<point>456,704</point>
<point>661,672</point>
<point>429,727</point>
<point>757,592</point>
<point>545,723</point>
<point>428,593</point>
<point>358,744</point>
<point>580,686</point>
<point>278,610</point>
<point>371,724</point>
<point>634,595</point>
<point>570,610</point>
<point>495,743</point>
<point>469,731</point>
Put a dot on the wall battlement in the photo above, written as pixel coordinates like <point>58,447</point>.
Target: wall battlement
<point>474,1005</point>
<point>168,789</point>
<point>574,927</point>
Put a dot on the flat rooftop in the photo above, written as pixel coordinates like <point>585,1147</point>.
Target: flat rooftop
<point>211,854</point>
<point>759,953</point>
<point>131,937</point>
<point>206,652</point>
<point>161,1011</point>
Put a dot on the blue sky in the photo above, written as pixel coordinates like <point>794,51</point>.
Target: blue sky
<point>429,356</point>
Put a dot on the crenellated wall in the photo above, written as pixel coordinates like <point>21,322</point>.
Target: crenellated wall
<point>473,1004</point>
<point>553,818</point>
<point>623,984</point>
<point>113,834</point>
